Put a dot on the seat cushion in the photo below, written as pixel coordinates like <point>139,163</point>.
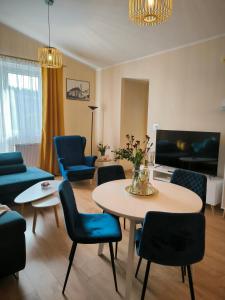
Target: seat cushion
<point>81,169</point>
<point>97,228</point>
<point>20,181</point>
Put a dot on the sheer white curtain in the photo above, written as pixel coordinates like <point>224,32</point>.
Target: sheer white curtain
<point>20,103</point>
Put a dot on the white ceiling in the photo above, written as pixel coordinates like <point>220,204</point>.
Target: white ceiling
<point>99,33</point>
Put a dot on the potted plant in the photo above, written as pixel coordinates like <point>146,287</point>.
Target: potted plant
<point>102,149</point>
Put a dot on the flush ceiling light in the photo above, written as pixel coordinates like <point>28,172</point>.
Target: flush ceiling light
<point>49,57</point>
<point>150,12</point>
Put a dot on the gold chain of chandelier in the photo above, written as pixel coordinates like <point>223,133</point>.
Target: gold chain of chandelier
<point>150,12</point>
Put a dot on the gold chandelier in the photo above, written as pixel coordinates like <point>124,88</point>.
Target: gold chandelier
<point>49,57</point>
<point>150,12</point>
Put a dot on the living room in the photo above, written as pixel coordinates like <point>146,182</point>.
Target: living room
<point>180,67</point>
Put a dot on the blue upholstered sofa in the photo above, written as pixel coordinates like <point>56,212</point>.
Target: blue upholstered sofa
<point>73,164</point>
<point>15,177</point>
<point>12,244</point>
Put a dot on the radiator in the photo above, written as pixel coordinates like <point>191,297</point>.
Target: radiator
<point>30,153</point>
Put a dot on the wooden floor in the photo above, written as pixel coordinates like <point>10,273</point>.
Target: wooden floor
<point>91,275</point>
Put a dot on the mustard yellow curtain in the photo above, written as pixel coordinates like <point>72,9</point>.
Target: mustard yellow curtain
<point>52,117</point>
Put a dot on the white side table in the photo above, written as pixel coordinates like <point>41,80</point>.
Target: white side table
<point>40,198</point>
<point>50,201</point>
<point>105,162</point>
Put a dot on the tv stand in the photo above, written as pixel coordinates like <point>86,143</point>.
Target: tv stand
<point>214,184</point>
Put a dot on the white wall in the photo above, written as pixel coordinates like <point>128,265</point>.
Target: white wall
<point>187,87</point>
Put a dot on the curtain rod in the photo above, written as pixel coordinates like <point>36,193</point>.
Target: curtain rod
<point>22,58</point>
<point>17,57</point>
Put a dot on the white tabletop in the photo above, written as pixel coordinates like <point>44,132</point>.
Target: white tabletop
<point>48,201</point>
<point>36,192</point>
<point>113,198</point>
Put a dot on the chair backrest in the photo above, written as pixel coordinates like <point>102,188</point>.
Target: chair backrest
<point>69,207</point>
<point>193,181</point>
<point>110,173</point>
<point>71,148</point>
<point>173,239</point>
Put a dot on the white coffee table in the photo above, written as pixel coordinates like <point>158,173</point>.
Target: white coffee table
<point>40,198</point>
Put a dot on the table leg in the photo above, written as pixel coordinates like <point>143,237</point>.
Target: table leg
<point>22,209</point>
<point>130,261</point>
<point>56,215</point>
<point>100,249</point>
<point>34,220</point>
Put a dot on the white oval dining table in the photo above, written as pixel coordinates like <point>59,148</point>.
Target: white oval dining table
<point>113,198</point>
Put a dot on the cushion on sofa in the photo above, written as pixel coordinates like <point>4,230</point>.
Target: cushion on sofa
<point>11,158</point>
<point>11,169</point>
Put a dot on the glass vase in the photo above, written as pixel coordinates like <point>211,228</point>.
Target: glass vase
<point>140,182</point>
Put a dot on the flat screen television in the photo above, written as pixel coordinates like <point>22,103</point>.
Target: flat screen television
<point>192,150</point>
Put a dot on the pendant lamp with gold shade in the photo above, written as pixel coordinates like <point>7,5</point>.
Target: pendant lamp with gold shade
<point>150,12</point>
<point>49,57</point>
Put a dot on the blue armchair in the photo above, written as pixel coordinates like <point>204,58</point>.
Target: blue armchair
<point>73,165</point>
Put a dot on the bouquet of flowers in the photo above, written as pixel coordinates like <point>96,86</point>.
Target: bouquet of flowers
<point>134,151</point>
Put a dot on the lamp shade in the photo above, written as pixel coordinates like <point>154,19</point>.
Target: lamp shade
<point>50,57</point>
<point>150,12</point>
<point>92,107</point>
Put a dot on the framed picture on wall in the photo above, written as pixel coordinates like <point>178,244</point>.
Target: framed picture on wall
<point>77,89</point>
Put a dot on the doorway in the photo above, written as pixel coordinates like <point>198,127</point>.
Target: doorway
<point>134,109</point>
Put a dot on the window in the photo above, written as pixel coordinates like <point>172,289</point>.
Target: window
<point>20,103</point>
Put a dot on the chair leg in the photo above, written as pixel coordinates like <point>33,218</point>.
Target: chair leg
<point>138,267</point>
<point>34,220</point>
<point>72,252</point>
<point>145,280</point>
<point>113,265</point>
<point>191,283</point>
<point>116,250</point>
<point>124,223</point>
<point>56,216</point>
<point>182,273</point>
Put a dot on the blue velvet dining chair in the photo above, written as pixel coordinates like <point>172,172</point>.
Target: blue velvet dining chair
<point>73,164</point>
<point>193,181</point>
<point>171,239</point>
<point>110,173</point>
<point>87,228</point>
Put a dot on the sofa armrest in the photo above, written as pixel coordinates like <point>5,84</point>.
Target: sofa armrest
<point>13,244</point>
<point>90,160</point>
<point>11,224</point>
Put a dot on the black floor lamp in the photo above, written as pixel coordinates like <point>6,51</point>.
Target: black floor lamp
<point>92,122</point>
